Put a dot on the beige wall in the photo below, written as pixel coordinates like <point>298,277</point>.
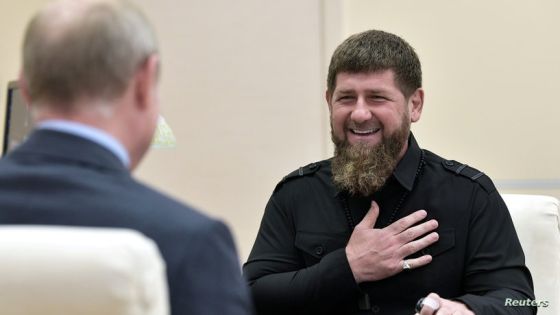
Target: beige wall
<point>491,75</point>
<point>242,88</point>
<point>242,91</point>
<point>13,18</point>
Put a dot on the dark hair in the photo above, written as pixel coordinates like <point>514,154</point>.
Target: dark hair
<point>376,50</point>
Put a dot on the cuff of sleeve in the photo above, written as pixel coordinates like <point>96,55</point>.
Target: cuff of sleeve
<point>337,273</point>
<point>470,301</point>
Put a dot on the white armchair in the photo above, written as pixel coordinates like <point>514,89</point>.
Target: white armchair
<point>536,219</point>
<point>50,270</point>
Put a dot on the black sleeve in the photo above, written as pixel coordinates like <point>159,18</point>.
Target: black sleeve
<point>279,280</point>
<point>495,273</point>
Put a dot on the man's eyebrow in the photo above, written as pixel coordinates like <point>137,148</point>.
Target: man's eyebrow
<point>376,91</point>
<point>369,91</point>
<point>347,91</point>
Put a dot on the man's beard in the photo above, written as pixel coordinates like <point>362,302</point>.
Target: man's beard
<point>363,169</point>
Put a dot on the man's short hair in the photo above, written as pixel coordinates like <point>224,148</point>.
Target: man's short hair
<point>372,51</point>
<point>93,54</point>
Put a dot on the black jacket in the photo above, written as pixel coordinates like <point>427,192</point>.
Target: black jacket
<point>298,263</point>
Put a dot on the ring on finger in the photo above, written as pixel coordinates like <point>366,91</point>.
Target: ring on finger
<point>428,301</point>
<point>406,265</point>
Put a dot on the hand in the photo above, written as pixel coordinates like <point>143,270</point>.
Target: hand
<point>446,307</point>
<point>375,254</point>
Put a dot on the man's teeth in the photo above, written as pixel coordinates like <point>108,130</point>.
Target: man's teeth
<point>364,132</point>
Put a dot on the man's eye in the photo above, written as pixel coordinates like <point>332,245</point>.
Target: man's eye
<point>345,98</point>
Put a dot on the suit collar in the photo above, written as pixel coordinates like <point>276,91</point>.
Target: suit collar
<point>88,132</point>
<point>64,147</point>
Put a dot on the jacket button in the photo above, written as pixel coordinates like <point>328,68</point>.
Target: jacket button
<point>449,163</point>
<point>319,250</point>
<point>375,309</point>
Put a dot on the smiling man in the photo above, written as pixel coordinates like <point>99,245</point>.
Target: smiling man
<point>384,223</point>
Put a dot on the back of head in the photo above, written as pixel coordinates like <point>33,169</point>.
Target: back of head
<point>84,49</point>
<point>372,51</point>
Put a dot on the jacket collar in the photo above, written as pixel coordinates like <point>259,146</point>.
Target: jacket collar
<point>56,146</point>
<point>405,172</point>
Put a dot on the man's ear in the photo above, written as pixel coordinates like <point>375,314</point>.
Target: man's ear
<point>145,81</point>
<point>416,104</point>
<point>328,98</point>
<point>24,88</point>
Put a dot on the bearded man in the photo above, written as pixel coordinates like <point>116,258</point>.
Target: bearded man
<point>384,223</point>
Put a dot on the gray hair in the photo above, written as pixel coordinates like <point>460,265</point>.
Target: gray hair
<point>92,54</point>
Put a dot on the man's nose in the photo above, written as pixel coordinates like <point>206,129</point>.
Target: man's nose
<point>361,112</point>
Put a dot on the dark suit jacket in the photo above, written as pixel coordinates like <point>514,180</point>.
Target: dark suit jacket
<point>56,178</point>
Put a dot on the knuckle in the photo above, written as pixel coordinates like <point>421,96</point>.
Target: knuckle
<point>408,235</point>
<point>427,227</point>
<point>410,249</point>
<point>433,296</point>
<point>402,224</point>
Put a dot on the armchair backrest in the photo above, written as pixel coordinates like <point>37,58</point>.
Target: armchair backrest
<point>50,270</point>
<point>536,220</point>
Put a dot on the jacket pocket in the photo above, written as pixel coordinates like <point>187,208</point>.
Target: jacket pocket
<point>446,242</point>
<point>314,246</point>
